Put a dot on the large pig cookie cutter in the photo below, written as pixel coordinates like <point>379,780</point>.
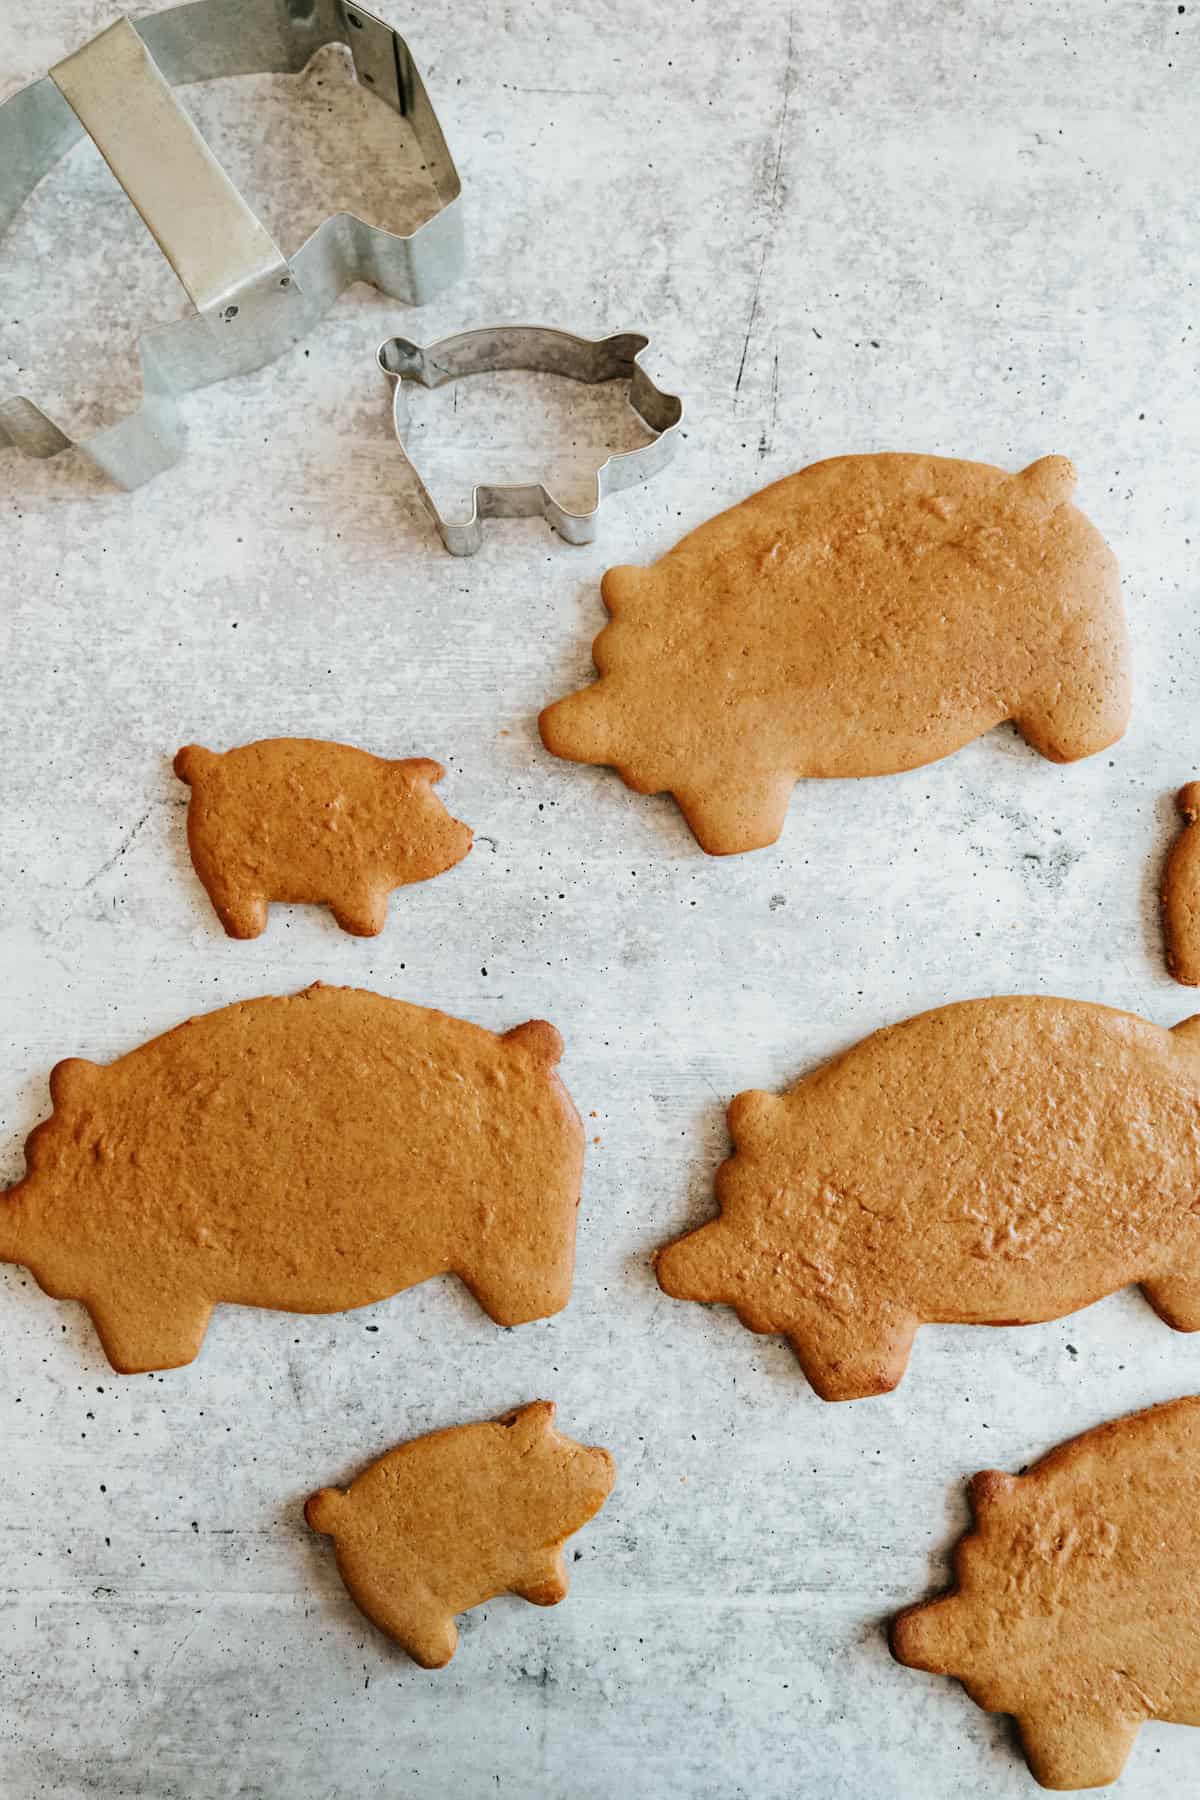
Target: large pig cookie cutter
<point>251,301</point>
<point>1077,1607</point>
<point>866,616</point>
<point>443,1523</point>
<point>309,1153</point>
<point>997,1162</point>
<point>300,820</point>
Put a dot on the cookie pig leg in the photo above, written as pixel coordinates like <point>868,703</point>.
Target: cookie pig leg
<point>242,914</point>
<point>1080,716</point>
<point>548,1586</point>
<point>139,1335</point>
<point>853,1359</point>
<point>737,816</point>
<point>361,911</point>
<point>1076,1749</point>
<point>428,1634</point>
<point>518,1295</point>
<point>1175,1298</point>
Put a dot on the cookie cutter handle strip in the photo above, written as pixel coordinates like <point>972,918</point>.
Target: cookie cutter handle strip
<point>216,245</point>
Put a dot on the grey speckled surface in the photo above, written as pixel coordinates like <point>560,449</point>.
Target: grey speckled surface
<point>968,230</point>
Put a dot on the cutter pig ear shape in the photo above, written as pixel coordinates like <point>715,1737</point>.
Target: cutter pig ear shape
<point>539,1038</point>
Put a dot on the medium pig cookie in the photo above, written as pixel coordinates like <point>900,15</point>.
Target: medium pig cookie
<point>448,1521</point>
<point>300,820</point>
<point>868,615</point>
<point>1077,1607</point>
<point>311,1154</point>
<point>1181,893</point>
<point>998,1162</point>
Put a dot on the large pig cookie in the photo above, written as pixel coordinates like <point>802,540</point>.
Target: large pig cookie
<point>311,1153</point>
<point>300,820</point>
<point>448,1521</point>
<point>1077,1607</point>
<point>1181,892</point>
<point>998,1162</point>
<point>868,615</point>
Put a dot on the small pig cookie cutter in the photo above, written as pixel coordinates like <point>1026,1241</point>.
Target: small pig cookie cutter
<point>540,350</point>
<point>251,302</point>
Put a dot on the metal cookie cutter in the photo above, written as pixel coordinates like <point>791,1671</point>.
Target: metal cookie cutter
<point>251,301</point>
<point>542,351</point>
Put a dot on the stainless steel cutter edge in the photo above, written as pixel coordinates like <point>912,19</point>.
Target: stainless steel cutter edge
<point>252,303</point>
<point>540,349</point>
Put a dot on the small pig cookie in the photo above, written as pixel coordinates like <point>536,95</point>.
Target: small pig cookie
<point>308,1154</point>
<point>1181,893</point>
<point>303,821</point>
<point>448,1521</point>
<point>997,1162</point>
<point>1077,1607</point>
<point>868,615</point>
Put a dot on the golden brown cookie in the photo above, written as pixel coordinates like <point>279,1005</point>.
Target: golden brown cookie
<point>304,821</point>
<point>868,615</point>
<point>448,1521</point>
<point>308,1153</point>
<point>1181,893</point>
<point>1077,1607</point>
<point>998,1162</point>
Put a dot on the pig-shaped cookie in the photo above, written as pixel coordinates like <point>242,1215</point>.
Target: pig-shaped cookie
<point>309,1153</point>
<point>300,820</point>
<point>1077,1607</point>
<point>1181,892</point>
<point>448,1521</point>
<point>998,1162</point>
<point>868,615</point>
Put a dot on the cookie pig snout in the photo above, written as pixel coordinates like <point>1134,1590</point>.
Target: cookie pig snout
<point>442,830</point>
<point>458,838</point>
<point>687,1267</point>
<point>599,1474</point>
<point>919,1636</point>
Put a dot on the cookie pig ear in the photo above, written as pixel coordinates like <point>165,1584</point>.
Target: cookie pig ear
<point>619,586</point>
<point>420,768</point>
<point>531,1424</point>
<point>1047,484</point>
<point>990,1488</point>
<point>194,761</point>
<point>539,1038</point>
<point>74,1080</point>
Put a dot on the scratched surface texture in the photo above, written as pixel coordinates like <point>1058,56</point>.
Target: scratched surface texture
<point>888,224</point>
